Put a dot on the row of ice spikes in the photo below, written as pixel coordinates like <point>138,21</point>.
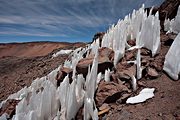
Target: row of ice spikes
<point>145,30</point>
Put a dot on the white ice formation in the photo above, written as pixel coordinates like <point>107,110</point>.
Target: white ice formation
<point>107,75</point>
<point>134,83</point>
<point>138,62</point>
<point>99,77</point>
<point>172,59</point>
<point>174,24</point>
<point>145,94</point>
<point>61,52</point>
<point>90,110</point>
<point>138,26</point>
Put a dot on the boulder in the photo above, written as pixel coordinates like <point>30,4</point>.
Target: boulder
<point>109,92</point>
<point>152,73</point>
<point>131,42</point>
<point>104,51</point>
<point>99,36</point>
<point>62,73</point>
<point>126,73</point>
<point>105,59</point>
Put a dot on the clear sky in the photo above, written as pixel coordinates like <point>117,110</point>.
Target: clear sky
<point>61,20</point>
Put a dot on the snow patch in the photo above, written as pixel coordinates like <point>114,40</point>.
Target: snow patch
<point>145,94</point>
<point>61,52</point>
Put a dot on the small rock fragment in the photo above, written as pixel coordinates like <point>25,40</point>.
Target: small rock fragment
<point>141,84</point>
<point>123,76</point>
<point>152,73</point>
<point>145,51</point>
<point>145,62</point>
<point>103,111</point>
<point>131,42</point>
<point>64,71</point>
<point>129,56</point>
<point>123,98</point>
<point>104,106</point>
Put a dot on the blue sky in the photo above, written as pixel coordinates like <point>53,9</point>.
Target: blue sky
<point>61,20</point>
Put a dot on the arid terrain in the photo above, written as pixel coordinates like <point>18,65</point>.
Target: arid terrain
<point>20,63</point>
<point>32,49</point>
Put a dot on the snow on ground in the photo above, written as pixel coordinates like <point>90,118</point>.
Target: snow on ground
<point>61,52</point>
<point>145,94</point>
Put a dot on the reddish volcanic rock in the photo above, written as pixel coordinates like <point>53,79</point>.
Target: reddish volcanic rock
<point>105,61</point>
<point>9,107</point>
<point>62,74</point>
<point>98,35</point>
<point>109,92</point>
<point>131,42</point>
<point>152,73</point>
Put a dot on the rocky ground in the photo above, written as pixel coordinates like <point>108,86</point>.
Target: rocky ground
<point>111,96</point>
<point>165,105</point>
<point>20,69</point>
<point>31,49</point>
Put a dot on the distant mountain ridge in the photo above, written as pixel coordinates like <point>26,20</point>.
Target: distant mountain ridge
<point>32,49</point>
